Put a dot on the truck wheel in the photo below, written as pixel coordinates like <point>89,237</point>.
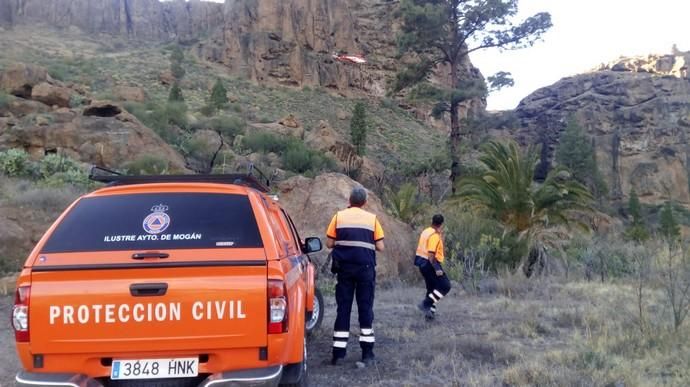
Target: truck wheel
<point>314,321</point>
<point>304,377</point>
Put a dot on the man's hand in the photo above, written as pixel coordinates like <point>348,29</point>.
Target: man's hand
<point>439,273</point>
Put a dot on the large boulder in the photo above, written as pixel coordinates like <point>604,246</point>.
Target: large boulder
<point>19,79</point>
<point>21,107</point>
<point>313,202</point>
<point>51,95</point>
<point>104,134</point>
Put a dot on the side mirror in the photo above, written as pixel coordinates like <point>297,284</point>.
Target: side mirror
<point>312,245</point>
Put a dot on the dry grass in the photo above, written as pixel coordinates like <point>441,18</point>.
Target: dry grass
<point>7,285</point>
<point>545,333</point>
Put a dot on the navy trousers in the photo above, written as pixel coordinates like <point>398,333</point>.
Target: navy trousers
<point>436,286</point>
<point>355,282</point>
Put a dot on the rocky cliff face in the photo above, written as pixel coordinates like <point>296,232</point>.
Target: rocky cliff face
<point>145,19</point>
<point>637,110</point>
<point>291,42</point>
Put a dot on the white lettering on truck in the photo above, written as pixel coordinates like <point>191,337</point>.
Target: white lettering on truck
<point>151,312</point>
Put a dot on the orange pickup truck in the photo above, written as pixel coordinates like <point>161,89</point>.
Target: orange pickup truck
<point>195,280</point>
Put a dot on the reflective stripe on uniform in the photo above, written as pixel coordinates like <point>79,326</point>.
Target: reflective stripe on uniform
<point>367,339</point>
<point>369,227</point>
<point>438,294</point>
<point>340,344</point>
<point>367,331</point>
<point>341,335</point>
<point>365,245</point>
<point>433,297</point>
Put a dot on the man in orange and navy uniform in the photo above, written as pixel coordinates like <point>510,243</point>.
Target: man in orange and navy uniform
<point>429,258</point>
<point>354,235</point>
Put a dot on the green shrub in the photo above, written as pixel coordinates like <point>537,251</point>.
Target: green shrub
<point>4,99</point>
<point>175,93</point>
<point>227,125</point>
<point>160,118</point>
<point>265,142</point>
<point>60,71</point>
<point>219,97</point>
<point>298,158</point>
<point>15,162</point>
<point>76,100</point>
<point>73,177</point>
<point>147,165</point>
<point>177,114</point>
<point>54,164</point>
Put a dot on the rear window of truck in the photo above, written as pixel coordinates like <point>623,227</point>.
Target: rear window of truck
<point>157,221</point>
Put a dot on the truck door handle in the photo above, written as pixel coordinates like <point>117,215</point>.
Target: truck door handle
<point>151,254</point>
<point>148,290</point>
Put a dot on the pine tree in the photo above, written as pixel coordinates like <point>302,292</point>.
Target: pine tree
<point>177,70</point>
<point>637,231</point>
<point>177,55</point>
<point>358,128</point>
<point>176,59</point>
<point>175,94</point>
<point>668,226</point>
<point>445,32</point>
<point>219,96</point>
<point>576,152</point>
<point>634,208</point>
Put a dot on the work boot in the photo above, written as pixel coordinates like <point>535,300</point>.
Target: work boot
<point>368,360</point>
<point>428,314</point>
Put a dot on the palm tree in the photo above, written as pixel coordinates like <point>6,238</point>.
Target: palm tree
<point>541,214</point>
<point>403,203</point>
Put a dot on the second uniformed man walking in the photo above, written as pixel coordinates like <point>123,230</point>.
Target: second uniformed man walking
<point>429,258</point>
<point>354,235</point>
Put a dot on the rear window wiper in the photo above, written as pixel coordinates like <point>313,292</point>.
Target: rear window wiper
<point>150,254</point>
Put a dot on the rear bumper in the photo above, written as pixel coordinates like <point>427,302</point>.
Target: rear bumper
<point>260,377</point>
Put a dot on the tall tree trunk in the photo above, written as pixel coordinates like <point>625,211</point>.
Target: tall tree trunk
<point>454,140</point>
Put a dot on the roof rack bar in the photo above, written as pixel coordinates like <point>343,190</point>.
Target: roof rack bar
<point>260,183</point>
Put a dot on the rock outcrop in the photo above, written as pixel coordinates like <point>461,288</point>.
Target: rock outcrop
<point>51,95</point>
<point>102,134</point>
<point>316,201</point>
<point>637,113</point>
<point>144,19</point>
<point>19,79</point>
<point>675,64</point>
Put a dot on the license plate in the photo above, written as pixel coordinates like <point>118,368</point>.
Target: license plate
<point>154,368</point>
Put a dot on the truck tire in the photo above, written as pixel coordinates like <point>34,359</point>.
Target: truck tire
<point>313,321</point>
<point>303,371</point>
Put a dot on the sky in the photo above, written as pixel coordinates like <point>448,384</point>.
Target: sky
<point>585,33</point>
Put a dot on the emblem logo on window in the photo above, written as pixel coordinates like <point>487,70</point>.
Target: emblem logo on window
<point>158,221</point>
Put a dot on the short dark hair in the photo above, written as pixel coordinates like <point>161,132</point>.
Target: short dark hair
<point>437,220</point>
<point>358,197</point>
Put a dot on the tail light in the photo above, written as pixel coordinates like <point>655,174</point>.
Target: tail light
<point>20,314</point>
<point>277,307</point>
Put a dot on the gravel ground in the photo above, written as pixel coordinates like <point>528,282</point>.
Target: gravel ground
<point>8,357</point>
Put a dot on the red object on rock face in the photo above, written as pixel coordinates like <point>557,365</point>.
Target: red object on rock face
<point>347,58</point>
